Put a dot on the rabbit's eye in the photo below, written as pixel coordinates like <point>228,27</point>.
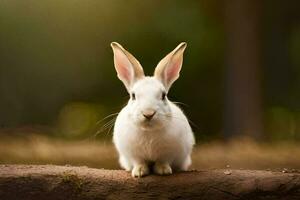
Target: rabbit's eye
<point>163,96</point>
<point>133,96</point>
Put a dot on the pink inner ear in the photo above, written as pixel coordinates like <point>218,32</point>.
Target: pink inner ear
<point>123,66</point>
<point>123,71</point>
<point>172,71</point>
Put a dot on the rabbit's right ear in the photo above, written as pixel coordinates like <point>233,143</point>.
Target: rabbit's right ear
<point>128,68</point>
<point>168,69</point>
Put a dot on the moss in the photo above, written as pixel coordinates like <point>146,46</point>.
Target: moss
<point>72,179</point>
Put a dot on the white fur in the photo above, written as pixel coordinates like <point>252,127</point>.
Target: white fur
<point>166,140</point>
<point>169,141</point>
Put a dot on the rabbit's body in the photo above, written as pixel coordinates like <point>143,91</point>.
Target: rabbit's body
<point>172,143</point>
<point>150,128</point>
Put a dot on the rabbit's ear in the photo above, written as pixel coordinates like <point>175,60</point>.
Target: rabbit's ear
<point>169,67</point>
<point>127,66</point>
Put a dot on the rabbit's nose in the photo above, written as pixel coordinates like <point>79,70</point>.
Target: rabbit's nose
<point>149,114</point>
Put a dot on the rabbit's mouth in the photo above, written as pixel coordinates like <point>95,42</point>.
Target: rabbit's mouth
<point>152,124</point>
<point>148,123</point>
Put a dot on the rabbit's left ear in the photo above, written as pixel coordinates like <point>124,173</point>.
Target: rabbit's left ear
<point>168,69</point>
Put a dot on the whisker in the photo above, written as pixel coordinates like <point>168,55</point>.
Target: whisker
<point>177,118</point>
<point>108,116</point>
<point>180,103</point>
<point>107,125</point>
<point>193,124</point>
<point>110,129</point>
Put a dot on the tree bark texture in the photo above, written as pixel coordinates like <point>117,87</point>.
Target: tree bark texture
<point>66,182</point>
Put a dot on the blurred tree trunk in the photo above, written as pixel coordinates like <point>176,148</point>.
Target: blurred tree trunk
<point>243,113</point>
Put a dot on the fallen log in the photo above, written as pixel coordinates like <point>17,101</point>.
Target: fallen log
<point>66,182</point>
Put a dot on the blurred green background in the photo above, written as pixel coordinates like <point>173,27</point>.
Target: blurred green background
<point>241,72</point>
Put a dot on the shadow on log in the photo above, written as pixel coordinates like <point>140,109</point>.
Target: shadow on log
<point>65,182</point>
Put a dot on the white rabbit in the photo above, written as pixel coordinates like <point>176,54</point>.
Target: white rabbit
<point>150,130</point>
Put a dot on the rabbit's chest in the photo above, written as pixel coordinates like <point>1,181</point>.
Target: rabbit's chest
<point>153,147</point>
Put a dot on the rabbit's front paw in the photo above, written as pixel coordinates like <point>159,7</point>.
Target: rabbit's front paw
<point>162,169</point>
<point>140,170</point>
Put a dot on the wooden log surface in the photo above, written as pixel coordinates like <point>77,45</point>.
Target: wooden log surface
<point>67,182</point>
